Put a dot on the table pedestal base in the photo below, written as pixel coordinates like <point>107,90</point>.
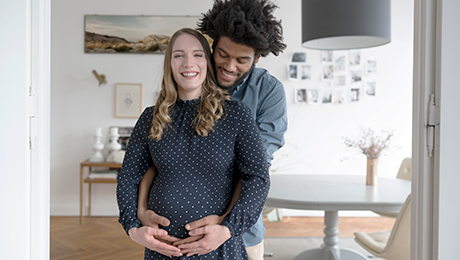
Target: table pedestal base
<point>322,254</point>
<point>330,250</point>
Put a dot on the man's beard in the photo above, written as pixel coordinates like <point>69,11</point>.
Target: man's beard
<point>232,87</point>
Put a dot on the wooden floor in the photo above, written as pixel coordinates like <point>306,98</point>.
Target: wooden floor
<point>103,237</point>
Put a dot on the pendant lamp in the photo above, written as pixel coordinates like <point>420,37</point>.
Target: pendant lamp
<point>345,24</point>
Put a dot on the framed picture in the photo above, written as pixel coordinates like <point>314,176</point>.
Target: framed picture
<point>128,100</point>
<point>339,63</point>
<point>326,56</point>
<point>292,72</point>
<point>369,88</point>
<point>340,80</point>
<point>339,95</point>
<point>355,58</point>
<point>371,67</point>
<point>328,73</point>
<point>133,33</point>
<point>301,95</point>
<point>299,57</point>
<point>354,94</point>
<point>305,72</point>
<point>326,96</point>
<point>356,75</point>
<point>313,97</point>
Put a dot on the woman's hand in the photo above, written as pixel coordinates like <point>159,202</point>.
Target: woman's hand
<point>155,239</point>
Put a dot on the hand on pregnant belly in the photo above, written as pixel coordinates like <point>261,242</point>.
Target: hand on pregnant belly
<point>155,239</point>
<point>204,239</point>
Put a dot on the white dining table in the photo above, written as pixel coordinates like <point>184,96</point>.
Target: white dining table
<point>331,194</point>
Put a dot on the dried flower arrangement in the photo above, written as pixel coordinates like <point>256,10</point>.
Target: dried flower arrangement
<point>370,144</point>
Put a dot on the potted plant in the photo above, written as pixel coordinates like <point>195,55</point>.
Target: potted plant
<point>371,145</point>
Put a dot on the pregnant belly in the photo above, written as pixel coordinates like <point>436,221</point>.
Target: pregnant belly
<point>183,205</point>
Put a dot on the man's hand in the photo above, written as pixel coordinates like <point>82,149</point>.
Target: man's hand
<point>155,239</point>
<point>206,221</point>
<point>152,219</point>
<point>212,236</point>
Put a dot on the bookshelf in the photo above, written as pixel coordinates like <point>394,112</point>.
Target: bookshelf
<point>90,166</point>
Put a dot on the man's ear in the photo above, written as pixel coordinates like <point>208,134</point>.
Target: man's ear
<point>256,59</point>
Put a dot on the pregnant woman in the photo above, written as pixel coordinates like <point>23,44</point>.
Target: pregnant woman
<point>201,144</point>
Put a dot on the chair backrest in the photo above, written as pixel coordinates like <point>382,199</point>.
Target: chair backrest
<point>405,170</point>
<point>398,245</point>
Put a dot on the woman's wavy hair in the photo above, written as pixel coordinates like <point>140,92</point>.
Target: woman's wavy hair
<point>247,22</point>
<point>210,108</point>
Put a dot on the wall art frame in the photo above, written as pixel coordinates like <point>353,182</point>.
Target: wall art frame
<point>128,100</point>
<point>133,33</point>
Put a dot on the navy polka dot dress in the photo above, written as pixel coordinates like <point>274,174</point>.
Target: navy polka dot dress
<point>196,175</point>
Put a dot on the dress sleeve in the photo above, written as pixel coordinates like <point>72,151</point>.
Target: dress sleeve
<point>271,119</point>
<point>252,165</point>
<point>135,163</point>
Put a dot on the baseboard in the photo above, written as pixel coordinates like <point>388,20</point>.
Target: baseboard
<point>106,210</point>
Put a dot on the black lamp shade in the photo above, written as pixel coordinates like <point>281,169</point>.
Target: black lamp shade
<point>345,24</point>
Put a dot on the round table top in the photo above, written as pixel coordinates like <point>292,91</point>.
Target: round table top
<point>336,192</point>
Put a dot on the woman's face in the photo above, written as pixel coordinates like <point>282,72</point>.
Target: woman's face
<point>188,65</point>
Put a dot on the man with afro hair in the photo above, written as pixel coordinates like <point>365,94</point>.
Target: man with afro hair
<point>242,31</point>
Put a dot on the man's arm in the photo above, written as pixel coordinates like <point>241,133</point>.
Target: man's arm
<point>271,119</point>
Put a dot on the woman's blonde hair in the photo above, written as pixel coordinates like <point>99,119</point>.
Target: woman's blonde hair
<point>210,108</point>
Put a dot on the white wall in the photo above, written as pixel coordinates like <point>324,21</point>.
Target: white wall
<point>314,142</point>
<point>449,177</point>
<point>14,157</point>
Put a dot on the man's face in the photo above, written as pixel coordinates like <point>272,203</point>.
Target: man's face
<point>232,61</point>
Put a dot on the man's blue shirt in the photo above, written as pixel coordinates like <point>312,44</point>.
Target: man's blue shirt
<point>265,96</point>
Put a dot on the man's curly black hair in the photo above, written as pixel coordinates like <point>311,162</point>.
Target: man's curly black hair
<point>247,22</point>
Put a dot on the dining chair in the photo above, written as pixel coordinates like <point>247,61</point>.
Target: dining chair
<point>404,173</point>
<point>393,244</point>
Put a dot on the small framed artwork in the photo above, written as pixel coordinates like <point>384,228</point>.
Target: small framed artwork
<point>339,96</point>
<point>305,72</point>
<point>340,80</point>
<point>313,96</point>
<point>326,56</point>
<point>326,96</point>
<point>292,72</point>
<point>354,94</point>
<point>299,57</point>
<point>128,100</point>
<point>369,88</point>
<point>339,63</point>
<point>328,73</point>
<point>301,96</point>
<point>355,58</point>
<point>371,67</point>
<point>356,75</point>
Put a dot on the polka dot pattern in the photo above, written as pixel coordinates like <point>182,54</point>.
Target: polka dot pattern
<point>196,175</point>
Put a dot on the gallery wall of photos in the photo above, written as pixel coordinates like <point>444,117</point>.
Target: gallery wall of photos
<point>350,78</point>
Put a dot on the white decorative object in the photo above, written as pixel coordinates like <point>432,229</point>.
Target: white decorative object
<point>119,156</point>
<point>98,146</point>
<point>114,146</point>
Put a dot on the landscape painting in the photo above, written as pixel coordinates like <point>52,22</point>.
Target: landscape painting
<point>132,34</point>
